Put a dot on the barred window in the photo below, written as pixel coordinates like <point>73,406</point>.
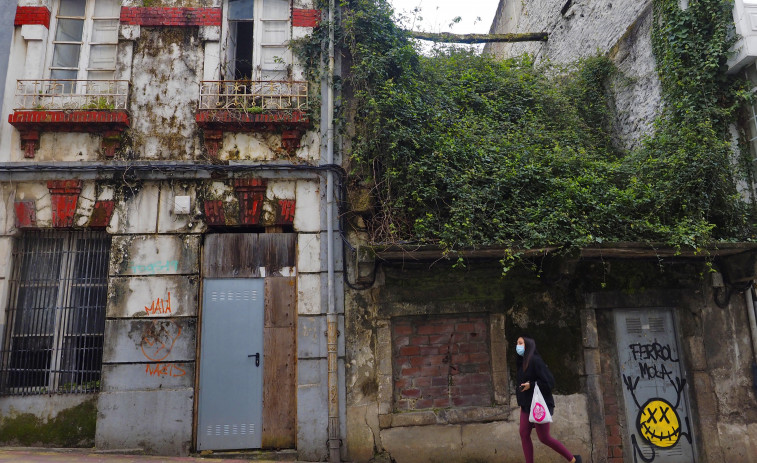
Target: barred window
<point>56,313</point>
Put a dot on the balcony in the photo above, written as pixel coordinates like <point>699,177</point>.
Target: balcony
<point>745,49</point>
<point>93,106</point>
<point>253,106</point>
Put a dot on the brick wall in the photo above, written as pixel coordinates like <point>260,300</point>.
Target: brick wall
<point>160,16</point>
<point>441,362</point>
<point>32,15</point>
<point>305,18</point>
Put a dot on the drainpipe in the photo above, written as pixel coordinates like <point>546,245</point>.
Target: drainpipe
<point>331,316</point>
<point>753,330</point>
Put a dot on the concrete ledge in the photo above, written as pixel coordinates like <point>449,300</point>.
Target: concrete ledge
<point>445,416</point>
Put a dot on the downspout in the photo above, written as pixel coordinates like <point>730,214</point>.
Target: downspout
<point>331,316</point>
<point>752,329</point>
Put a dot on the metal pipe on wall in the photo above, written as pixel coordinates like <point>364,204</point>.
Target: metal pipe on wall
<point>331,316</point>
<point>752,330</point>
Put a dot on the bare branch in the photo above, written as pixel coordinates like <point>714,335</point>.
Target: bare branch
<point>479,38</point>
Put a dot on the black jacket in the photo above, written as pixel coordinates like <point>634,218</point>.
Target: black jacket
<point>536,373</point>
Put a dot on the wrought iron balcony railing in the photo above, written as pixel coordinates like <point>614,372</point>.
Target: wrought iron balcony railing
<point>65,94</point>
<point>254,96</point>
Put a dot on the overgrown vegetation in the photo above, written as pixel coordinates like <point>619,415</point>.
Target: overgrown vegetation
<point>463,150</point>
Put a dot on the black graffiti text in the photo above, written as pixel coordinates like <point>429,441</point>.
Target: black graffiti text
<point>653,371</point>
<point>653,351</point>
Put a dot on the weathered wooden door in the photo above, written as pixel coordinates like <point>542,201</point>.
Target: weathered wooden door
<point>269,260</point>
<point>654,387</point>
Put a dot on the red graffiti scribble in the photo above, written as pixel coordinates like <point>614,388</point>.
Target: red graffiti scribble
<point>158,339</point>
<point>160,306</point>
<point>165,369</point>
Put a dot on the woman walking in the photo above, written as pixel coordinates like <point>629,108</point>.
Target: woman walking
<point>531,370</point>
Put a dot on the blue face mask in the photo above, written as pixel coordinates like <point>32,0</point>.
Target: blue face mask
<point>520,349</point>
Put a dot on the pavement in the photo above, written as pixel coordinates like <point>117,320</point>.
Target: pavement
<point>36,455</point>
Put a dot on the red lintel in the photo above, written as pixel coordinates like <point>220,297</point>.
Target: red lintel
<point>32,15</point>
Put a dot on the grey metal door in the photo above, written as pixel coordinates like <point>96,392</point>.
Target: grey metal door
<point>654,386</point>
<point>231,365</point>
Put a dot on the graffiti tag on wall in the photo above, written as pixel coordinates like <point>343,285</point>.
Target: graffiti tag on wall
<point>159,306</point>
<point>659,424</point>
<point>153,267</point>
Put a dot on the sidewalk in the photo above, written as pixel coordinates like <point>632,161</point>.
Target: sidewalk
<point>36,455</point>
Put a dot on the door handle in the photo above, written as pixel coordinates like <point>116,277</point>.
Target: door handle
<point>257,358</point>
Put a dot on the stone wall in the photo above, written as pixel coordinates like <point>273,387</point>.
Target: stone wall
<point>581,28</point>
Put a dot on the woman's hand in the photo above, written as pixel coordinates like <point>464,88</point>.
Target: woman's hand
<point>525,386</point>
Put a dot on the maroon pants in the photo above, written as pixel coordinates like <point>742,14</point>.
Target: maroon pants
<point>542,430</point>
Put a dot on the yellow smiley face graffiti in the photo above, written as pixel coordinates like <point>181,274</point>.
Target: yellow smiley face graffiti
<point>658,423</point>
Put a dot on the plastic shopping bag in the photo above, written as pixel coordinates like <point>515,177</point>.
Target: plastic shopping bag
<point>539,412</point>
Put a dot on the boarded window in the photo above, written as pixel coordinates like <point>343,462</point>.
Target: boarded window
<point>441,362</point>
<point>56,313</point>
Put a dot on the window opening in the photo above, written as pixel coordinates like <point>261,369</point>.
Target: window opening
<point>56,313</point>
<point>256,43</point>
<point>84,43</point>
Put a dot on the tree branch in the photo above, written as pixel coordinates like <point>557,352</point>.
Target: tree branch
<point>479,38</point>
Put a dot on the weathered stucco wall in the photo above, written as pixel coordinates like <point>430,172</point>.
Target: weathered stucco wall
<point>581,28</point>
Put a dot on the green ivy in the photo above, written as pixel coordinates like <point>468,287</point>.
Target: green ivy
<point>463,150</point>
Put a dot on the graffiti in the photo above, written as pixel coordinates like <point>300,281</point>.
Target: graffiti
<point>165,369</point>
<point>153,267</point>
<point>654,371</point>
<point>158,339</point>
<point>652,351</point>
<point>159,306</point>
<point>658,421</point>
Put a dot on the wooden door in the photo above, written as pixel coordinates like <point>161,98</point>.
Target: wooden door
<point>272,257</point>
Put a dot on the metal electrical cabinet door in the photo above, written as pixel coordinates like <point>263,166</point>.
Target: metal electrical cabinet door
<point>231,365</point>
<point>654,387</point>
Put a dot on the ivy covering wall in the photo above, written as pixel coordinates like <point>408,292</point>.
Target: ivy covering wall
<point>462,150</point>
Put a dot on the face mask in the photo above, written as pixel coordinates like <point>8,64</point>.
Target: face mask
<point>520,349</point>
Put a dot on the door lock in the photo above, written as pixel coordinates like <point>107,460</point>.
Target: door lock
<point>257,358</point>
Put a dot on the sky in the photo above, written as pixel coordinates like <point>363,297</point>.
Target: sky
<point>436,15</point>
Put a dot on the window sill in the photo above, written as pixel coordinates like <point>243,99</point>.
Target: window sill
<point>445,416</point>
<point>214,122</point>
<point>110,123</point>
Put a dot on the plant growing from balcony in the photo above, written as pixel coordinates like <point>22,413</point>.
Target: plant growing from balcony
<point>100,103</point>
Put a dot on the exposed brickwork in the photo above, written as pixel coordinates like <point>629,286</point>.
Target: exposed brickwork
<point>32,15</point>
<point>160,16</point>
<point>441,362</point>
<point>305,18</point>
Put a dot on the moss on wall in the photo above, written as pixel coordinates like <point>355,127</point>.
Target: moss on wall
<point>73,427</point>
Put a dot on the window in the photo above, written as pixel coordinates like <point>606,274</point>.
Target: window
<point>84,41</point>
<point>56,313</point>
<point>256,40</point>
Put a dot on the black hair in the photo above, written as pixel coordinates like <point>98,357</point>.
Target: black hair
<point>530,351</point>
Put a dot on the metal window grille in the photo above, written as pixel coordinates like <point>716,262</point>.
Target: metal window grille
<point>56,313</point>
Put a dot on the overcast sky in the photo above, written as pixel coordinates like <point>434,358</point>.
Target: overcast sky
<point>475,15</point>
